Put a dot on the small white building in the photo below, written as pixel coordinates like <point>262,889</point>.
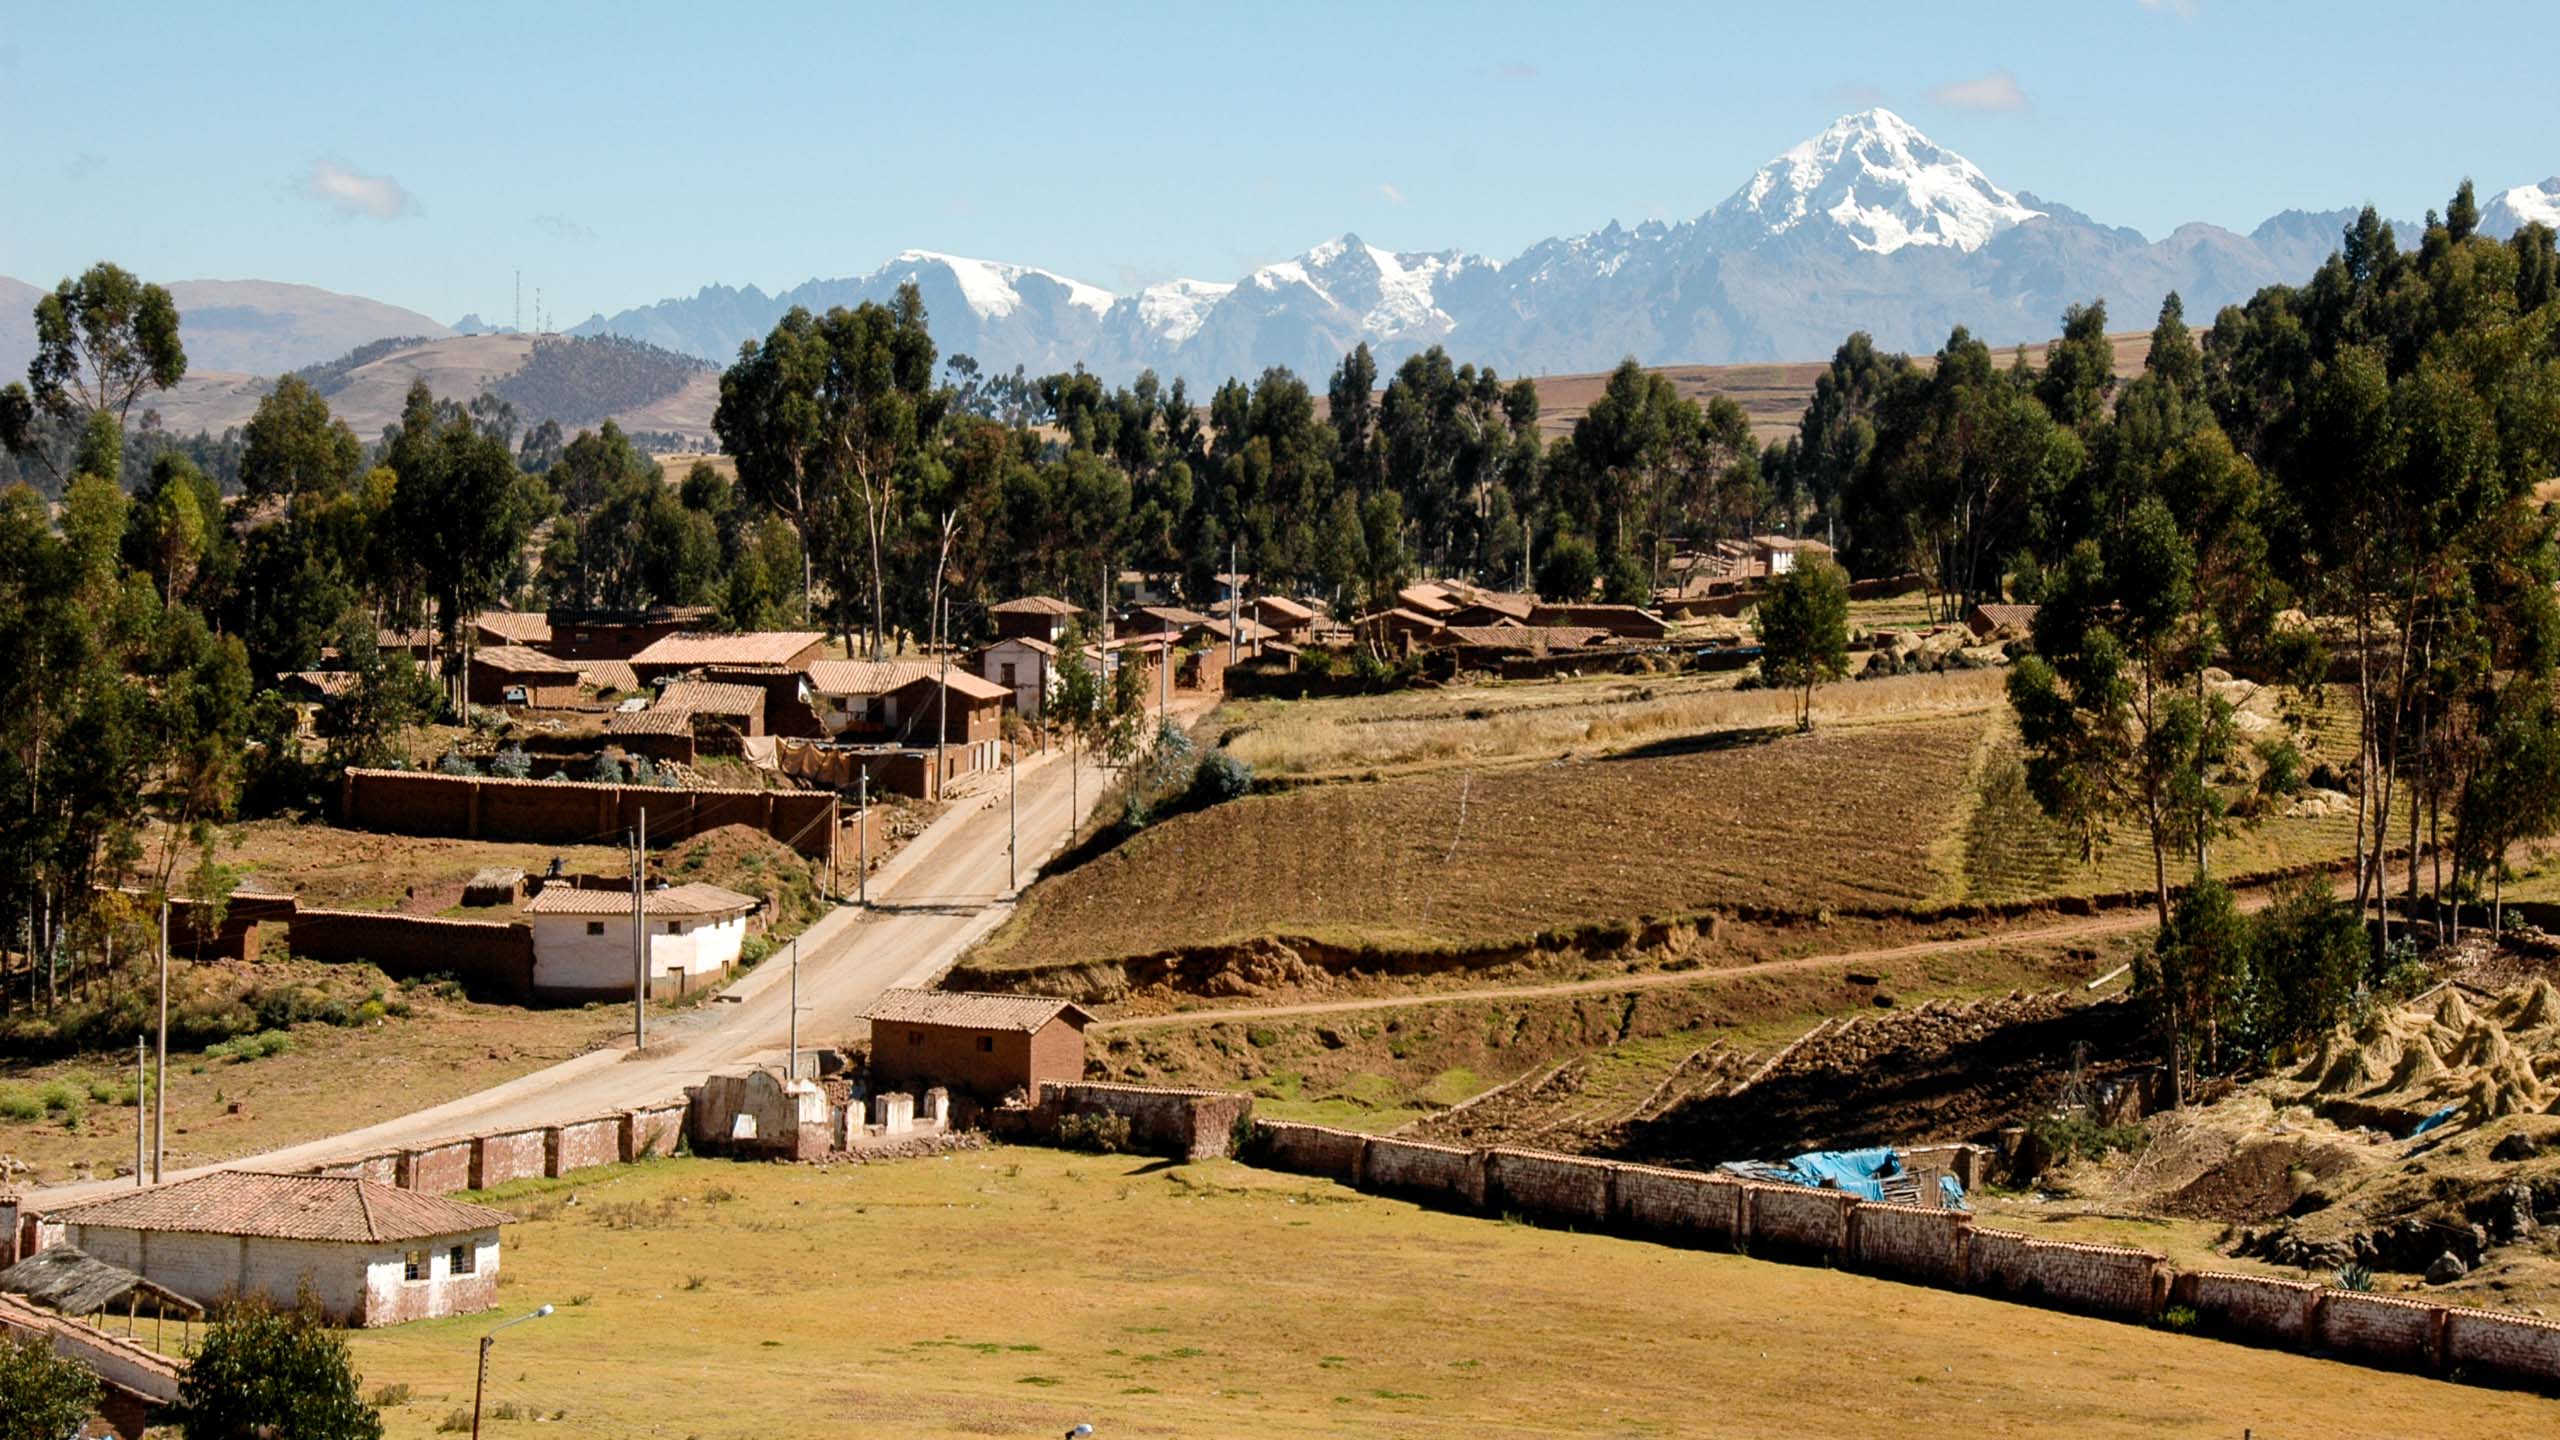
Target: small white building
<point>1025,665</point>
<point>582,938</point>
<point>368,1254</point>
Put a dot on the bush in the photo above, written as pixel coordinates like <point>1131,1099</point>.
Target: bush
<point>1098,1133</point>
<point>455,763</point>
<point>512,764</point>
<point>42,1394</point>
<point>17,1104</point>
<point>1219,777</point>
<point>642,772</point>
<point>606,770</point>
<point>279,1372</point>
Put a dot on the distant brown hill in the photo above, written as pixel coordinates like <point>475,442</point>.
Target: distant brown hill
<point>253,327</point>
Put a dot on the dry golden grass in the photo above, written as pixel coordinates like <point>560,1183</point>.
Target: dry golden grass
<point>1495,723</point>
<point>1020,1292</point>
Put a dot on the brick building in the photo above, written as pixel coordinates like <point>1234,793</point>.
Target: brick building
<point>368,1254</point>
<point>1037,617</point>
<point>676,654</point>
<point>982,1046</point>
<point>515,675</point>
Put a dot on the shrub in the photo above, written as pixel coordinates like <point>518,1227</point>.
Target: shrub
<point>2181,1318</point>
<point>512,764</point>
<point>455,763</point>
<point>1220,777</point>
<point>389,1397</point>
<point>754,950</point>
<point>42,1394</point>
<point>605,770</point>
<point>2354,1277</point>
<point>59,1095</point>
<point>16,1104</point>
<point>643,772</point>
<point>267,1371</point>
<point>1098,1132</point>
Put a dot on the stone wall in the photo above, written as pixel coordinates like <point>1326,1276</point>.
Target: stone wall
<point>1677,1204</point>
<point>2380,1329</point>
<point>2253,1308</point>
<point>514,1155</point>
<point>1792,1218</point>
<point>1906,1242</point>
<point>1552,1187</point>
<point>1184,1124</point>
<point>1310,1149</point>
<point>1444,1173</point>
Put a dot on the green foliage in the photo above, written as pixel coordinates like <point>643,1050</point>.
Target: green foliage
<point>259,1367</point>
<point>2353,1277</point>
<point>1218,778</point>
<point>1099,1132</point>
<point>511,763</point>
<point>1567,569</point>
<point>42,1396</point>
<point>1804,631</point>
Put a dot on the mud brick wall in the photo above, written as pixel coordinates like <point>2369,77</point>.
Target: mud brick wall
<point>1185,1124</point>
<point>654,1131</point>
<point>2380,1329</point>
<point>380,1169</point>
<point>1996,1261</point>
<point>1677,1203</point>
<point>492,959</point>
<point>1907,1242</point>
<point>497,1159</point>
<point>1795,1218</point>
<point>582,1145</point>
<point>437,1169</point>
<point>2254,1308</point>
<point>568,811</point>
<point>1310,1149</point>
<point>1560,1187</point>
<point>2111,1280</point>
<point>2482,1344</point>
<point>1412,1167</point>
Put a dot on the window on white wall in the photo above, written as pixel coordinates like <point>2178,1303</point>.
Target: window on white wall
<point>416,1266</point>
<point>462,1261</point>
<point>595,927</point>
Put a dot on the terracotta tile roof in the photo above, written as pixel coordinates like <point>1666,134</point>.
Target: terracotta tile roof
<point>607,675</point>
<point>758,647</point>
<point>1288,609</point>
<point>1411,617</point>
<point>419,638</point>
<point>1987,618</point>
<point>965,682</point>
<point>1521,637</point>
<point>696,898</point>
<point>1027,642</point>
<point>286,1207</point>
<point>711,697</point>
<point>967,1011</point>
<point>1173,615</point>
<point>517,660</point>
<point>1248,627</point>
<point>649,722</point>
<point>864,677</point>
<point>320,682</point>
<point>1426,597</point>
<point>1035,605</point>
<point>515,626</point>
<point>1495,602</point>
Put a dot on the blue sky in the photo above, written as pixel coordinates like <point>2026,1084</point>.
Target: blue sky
<point>620,154</point>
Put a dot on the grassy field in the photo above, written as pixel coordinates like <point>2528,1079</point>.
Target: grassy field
<point>1020,1292</point>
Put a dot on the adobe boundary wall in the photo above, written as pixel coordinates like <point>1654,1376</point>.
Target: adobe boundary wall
<point>1946,1249</point>
<point>1182,1124</point>
<point>575,812</point>
<point>493,959</point>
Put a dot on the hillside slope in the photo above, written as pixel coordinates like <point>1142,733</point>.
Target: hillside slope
<point>238,327</point>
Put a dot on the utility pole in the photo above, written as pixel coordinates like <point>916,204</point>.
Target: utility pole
<point>942,705</point>
<point>795,1007</point>
<point>160,1077</point>
<point>1235,600</point>
<point>141,1124</point>
<point>1012,809</point>
<point>862,831</point>
<point>640,933</point>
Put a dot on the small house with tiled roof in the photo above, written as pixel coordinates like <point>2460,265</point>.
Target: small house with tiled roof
<point>1038,617</point>
<point>366,1253</point>
<point>982,1046</point>
<point>676,654</point>
<point>582,938</point>
<point>522,677</point>
<point>511,627</point>
<point>1027,667</point>
<point>1993,621</point>
<point>1290,622</point>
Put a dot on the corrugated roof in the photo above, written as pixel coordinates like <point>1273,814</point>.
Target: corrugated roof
<point>711,697</point>
<point>756,647</point>
<point>286,1207</point>
<point>517,660</point>
<point>864,677</point>
<point>1035,605</point>
<point>968,1011</point>
<point>696,898</point>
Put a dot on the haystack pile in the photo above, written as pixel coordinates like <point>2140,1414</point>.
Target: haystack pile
<point>2501,1060</point>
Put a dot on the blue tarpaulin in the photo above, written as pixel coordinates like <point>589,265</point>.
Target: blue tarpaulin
<point>1856,1172</point>
<point>2433,1121</point>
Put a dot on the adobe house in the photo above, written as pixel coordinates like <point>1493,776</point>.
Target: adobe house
<point>1288,621</point>
<point>1398,631</point>
<point>1025,665</point>
<point>582,938</point>
<point>368,1254</point>
<point>1627,622</point>
<point>739,707</point>
<point>676,654</point>
<point>1161,620</point>
<point>492,628</point>
<point>853,697</point>
<point>1986,621</point>
<point>982,1046</point>
<point>618,634</point>
<point>515,675</point>
<point>1036,617</point>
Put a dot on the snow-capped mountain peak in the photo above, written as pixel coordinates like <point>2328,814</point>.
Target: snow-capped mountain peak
<point>2511,210</point>
<point>992,288</point>
<point>1172,311</point>
<point>1387,294</point>
<point>1880,184</point>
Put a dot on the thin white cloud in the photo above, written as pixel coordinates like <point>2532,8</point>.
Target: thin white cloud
<point>1996,91</point>
<point>1391,194</point>
<point>353,193</point>
<point>561,227</point>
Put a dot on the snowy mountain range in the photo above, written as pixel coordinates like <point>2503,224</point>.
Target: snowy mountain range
<point>1869,225</point>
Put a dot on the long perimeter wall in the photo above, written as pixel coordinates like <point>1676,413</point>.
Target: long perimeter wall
<point>572,812</point>
<point>1944,1248</point>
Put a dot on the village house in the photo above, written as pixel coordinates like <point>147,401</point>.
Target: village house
<point>1493,607</point>
<point>582,938</point>
<point>1036,617</point>
<point>1487,644</point>
<point>512,627</point>
<point>418,643</point>
<point>1162,620</point>
<point>787,707</point>
<point>982,1046</point>
<point>618,634</point>
<point>659,735</point>
<point>1778,554</point>
<point>739,708</point>
<point>1289,622</point>
<point>1988,621</point>
<point>1024,665</point>
<point>526,679</point>
<point>853,697</point>
<point>365,1253</point>
<point>1137,587</point>
<point>1425,597</point>
<point>676,654</point>
<point>1397,631</point>
<point>1627,622</point>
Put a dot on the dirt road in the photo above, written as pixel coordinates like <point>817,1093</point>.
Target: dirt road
<point>935,898</point>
